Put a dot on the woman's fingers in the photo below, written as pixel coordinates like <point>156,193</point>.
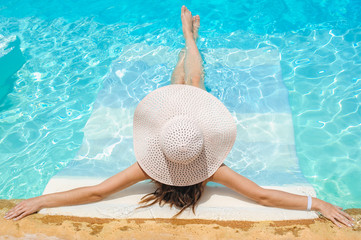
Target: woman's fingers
<point>16,211</point>
<point>332,219</point>
<point>21,216</point>
<point>23,209</point>
<point>336,215</point>
<point>10,215</point>
<point>347,216</point>
<point>344,219</point>
<point>17,215</point>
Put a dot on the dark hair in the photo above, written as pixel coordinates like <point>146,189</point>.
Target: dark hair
<point>181,197</point>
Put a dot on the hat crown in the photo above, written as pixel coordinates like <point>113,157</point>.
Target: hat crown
<point>174,156</point>
<point>181,140</point>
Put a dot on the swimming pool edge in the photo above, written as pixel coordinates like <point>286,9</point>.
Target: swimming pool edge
<point>69,227</point>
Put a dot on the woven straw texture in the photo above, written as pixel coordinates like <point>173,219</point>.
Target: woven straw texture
<point>182,134</point>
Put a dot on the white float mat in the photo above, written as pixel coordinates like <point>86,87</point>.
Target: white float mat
<point>217,203</point>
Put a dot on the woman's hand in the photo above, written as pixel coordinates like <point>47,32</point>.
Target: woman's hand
<point>24,208</point>
<point>335,214</point>
<point>81,195</point>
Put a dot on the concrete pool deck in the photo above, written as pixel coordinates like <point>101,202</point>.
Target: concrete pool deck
<point>39,226</point>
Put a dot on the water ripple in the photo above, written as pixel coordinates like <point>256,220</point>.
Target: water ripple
<point>69,51</point>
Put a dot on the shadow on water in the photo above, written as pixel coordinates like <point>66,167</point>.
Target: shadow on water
<point>5,89</point>
<point>11,61</point>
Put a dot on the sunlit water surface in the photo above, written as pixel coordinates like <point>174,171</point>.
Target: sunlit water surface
<point>70,46</point>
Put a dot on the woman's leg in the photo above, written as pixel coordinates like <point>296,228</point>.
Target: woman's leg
<point>178,73</point>
<point>193,68</point>
<point>190,72</point>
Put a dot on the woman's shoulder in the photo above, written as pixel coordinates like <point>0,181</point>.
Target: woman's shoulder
<point>217,172</point>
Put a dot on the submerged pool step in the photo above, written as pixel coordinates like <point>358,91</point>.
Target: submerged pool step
<point>248,82</point>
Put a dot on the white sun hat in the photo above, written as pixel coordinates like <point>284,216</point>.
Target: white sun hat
<point>182,134</point>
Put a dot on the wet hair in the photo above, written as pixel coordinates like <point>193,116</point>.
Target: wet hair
<point>180,197</point>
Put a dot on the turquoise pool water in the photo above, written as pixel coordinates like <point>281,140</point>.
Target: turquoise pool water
<point>70,46</point>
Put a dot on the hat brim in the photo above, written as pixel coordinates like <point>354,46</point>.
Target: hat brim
<point>212,117</point>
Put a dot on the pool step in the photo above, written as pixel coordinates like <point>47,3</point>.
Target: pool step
<point>248,82</point>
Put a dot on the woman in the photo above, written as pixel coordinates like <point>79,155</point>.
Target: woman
<point>182,134</point>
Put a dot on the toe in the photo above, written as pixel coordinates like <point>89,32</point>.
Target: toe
<point>196,22</point>
<point>183,9</point>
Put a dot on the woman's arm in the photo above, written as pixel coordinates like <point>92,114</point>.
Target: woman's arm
<point>274,198</point>
<point>81,195</point>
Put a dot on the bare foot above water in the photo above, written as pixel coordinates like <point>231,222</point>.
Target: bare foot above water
<point>187,22</point>
<point>196,24</point>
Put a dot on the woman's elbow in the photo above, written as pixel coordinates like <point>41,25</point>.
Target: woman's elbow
<point>96,194</point>
<point>265,202</point>
<point>263,198</point>
<point>96,197</point>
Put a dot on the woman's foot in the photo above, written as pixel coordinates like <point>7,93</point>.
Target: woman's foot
<point>196,24</point>
<point>187,23</point>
